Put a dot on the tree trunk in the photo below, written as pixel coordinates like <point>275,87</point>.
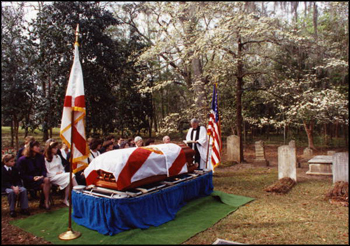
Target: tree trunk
<point>295,10</point>
<point>12,134</point>
<point>16,124</point>
<point>155,118</point>
<point>337,129</point>
<point>189,21</point>
<point>239,92</point>
<point>199,90</point>
<point>309,128</point>
<point>325,134</point>
<point>346,135</point>
<point>315,15</point>
<point>45,132</point>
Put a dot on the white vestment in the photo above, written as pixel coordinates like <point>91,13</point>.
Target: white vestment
<point>202,145</point>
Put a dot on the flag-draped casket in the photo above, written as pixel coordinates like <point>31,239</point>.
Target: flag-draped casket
<point>124,169</point>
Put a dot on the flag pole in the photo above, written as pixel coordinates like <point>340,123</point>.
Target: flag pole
<point>70,234</point>
<point>206,163</point>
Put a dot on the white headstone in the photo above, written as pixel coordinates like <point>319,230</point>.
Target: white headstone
<point>233,145</point>
<point>287,162</point>
<point>341,167</point>
<point>330,152</point>
<point>260,156</point>
<point>308,153</point>
<point>291,144</point>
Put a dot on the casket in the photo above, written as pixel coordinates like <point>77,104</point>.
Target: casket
<point>125,169</point>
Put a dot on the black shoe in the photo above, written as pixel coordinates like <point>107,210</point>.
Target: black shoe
<point>25,212</point>
<point>13,214</point>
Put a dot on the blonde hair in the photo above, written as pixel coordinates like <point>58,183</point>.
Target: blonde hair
<point>28,139</point>
<point>7,157</point>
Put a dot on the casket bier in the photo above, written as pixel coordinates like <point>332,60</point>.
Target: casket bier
<point>126,169</point>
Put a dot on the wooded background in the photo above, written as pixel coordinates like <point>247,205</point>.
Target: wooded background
<point>149,67</point>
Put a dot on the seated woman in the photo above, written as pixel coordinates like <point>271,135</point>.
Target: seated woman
<point>27,140</point>
<point>108,145</point>
<point>95,146</point>
<point>124,144</point>
<point>55,170</point>
<point>33,170</point>
<point>149,141</point>
<point>131,142</point>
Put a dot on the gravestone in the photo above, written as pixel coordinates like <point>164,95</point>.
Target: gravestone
<point>287,162</point>
<point>291,144</point>
<point>260,157</point>
<point>320,165</point>
<point>233,144</point>
<point>330,152</point>
<point>308,153</point>
<point>341,167</point>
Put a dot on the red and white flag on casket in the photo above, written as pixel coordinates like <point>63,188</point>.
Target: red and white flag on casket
<point>132,164</point>
<point>75,101</point>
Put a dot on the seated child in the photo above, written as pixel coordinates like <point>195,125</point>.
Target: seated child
<point>12,185</point>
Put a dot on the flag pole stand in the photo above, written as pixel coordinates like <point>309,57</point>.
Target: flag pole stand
<point>70,234</point>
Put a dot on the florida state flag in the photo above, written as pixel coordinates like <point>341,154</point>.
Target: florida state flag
<point>74,106</point>
<point>132,164</point>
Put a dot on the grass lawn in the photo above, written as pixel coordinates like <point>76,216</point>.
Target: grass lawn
<point>37,134</point>
<point>301,216</point>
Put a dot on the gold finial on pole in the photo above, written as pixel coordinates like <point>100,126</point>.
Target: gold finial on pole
<point>77,34</point>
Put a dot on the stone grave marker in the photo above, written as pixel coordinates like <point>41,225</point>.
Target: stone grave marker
<point>308,153</point>
<point>320,165</point>
<point>233,144</point>
<point>260,156</point>
<point>287,162</point>
<point>330,152</point>
<point>291,144</point>
<point>341,167</point>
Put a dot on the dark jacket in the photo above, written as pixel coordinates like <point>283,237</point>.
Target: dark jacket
<point>30,167</point>
<point>8,180</point>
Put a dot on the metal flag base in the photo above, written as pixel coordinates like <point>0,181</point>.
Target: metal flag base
<point>69,235</point>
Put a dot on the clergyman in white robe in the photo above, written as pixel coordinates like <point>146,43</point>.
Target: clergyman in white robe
<point>202,143</point>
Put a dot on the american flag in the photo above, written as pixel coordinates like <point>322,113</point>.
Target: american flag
<point>214,130</point>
